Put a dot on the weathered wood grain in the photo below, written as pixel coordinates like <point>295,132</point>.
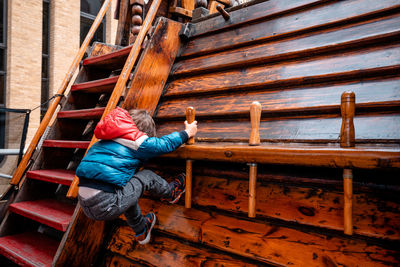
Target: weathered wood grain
<point>322,41</point>
<point>119,261</point>
<point>153,68</point>
<point>338,67</point>
<point>322,16</point>
<point>269,243</point>
<point>317,97</point>
<point>317,206</point>
<point>164,251</point>
<point>311,129</point>
<point>314,156</point>
<point>262,10</point>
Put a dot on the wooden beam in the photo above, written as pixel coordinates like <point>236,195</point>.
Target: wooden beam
<point>323,156</point>
<point>190,117</point>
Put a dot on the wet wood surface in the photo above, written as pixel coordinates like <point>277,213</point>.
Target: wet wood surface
<point>316,206</point>
<point>383,128</point>
<point>166,251</point>
<point>347,36</point>
<point>339,66</point>
<point>293,98</point>
<point>328,15</point>
<point>154,67</point>
<point>265,242</point>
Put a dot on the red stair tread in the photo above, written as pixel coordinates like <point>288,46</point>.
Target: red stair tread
<point>97,86</point>
<point>64,177</point>
<point>29,249</point>
<point>47,211</point>
<point>93,113</point>
<point>110,60</point>
<point>66,144</point>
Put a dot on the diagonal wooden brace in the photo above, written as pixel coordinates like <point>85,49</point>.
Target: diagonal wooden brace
<point>190,115</point>
<point>254,140</point>
<point>347,139</point>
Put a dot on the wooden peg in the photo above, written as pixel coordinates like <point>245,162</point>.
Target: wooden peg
<point>223,12</point>
<point>190,116</point>
<point>255,117</point>
<point>347,139</point>
<point>347,107</point>
<point>252,189</point>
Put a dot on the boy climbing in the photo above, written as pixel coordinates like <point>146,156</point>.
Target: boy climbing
<point>109,181</point>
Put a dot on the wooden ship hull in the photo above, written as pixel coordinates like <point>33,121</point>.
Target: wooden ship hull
<point>297,158</point>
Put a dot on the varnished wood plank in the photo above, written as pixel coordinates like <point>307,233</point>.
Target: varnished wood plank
<point>311,129</point>
<point>270,243</point>
<point>154,67</point>
<point>317,206</point>
<point>66,144</point>
<point>318,97</point>
<point>333,13</point>
<point>350,64</point>
<point>119,261</point>
<point>111,60</point>
<point>98,86</point>
<point>323,156</point>
<point>94,113</point>
<point>259,11</point>
<point>164,251</point>
<point>359,34</point>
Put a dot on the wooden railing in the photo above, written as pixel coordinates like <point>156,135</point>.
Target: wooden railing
<point>346,156</point>
<point>123,78</point>
<point>53,106</point>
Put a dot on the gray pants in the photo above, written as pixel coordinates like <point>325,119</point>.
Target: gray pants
<point>108,206</point>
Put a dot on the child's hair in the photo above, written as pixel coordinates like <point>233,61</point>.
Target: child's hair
<point>143,121</point>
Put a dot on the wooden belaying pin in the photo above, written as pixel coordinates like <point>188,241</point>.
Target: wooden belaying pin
<point>347,140</point>
<point>190,115</point>
<point>254,140</point>
<point>223,12</point>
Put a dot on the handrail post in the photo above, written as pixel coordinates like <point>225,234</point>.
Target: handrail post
<point>347,139</point>
<point>190,116</point>
<point>53,106</point>
<point>123,78</point>
<point>254,140</point>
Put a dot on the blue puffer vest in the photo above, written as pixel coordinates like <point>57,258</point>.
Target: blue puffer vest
<point>114,163</point>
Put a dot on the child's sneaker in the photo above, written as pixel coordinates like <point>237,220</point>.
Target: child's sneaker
<point>150,221</point>
<point>178,188</point>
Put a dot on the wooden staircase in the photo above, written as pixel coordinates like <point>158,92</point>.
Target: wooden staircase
<point>39,214</point>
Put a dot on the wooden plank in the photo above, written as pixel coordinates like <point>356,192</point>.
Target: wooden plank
<point>29,249</point>
<point>64,177</point>
<point>98,86</point>
<point>66,144</point>
<point>296,99</point>
<point>112,60</point>
<point>322,156</point>
<point>353,35</point>
<point>87,114</point>
<point>383,128</point>
<point>267,242</point>
<point>164,251</point>
<point>323,68</point>
<point>47,211</point>
<point>322,16</point>
<point>252,13</point>
<point>317,206</point>
<point>154,67</point>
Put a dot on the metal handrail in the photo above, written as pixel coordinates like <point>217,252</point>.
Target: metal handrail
<point>53,106</point>
<point>123,78</point>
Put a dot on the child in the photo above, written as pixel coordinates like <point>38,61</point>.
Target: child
<point>109,181</point>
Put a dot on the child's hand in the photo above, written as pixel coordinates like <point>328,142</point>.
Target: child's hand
<point>191,129</point>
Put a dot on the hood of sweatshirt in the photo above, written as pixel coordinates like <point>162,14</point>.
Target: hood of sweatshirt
<point>118,124</point>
